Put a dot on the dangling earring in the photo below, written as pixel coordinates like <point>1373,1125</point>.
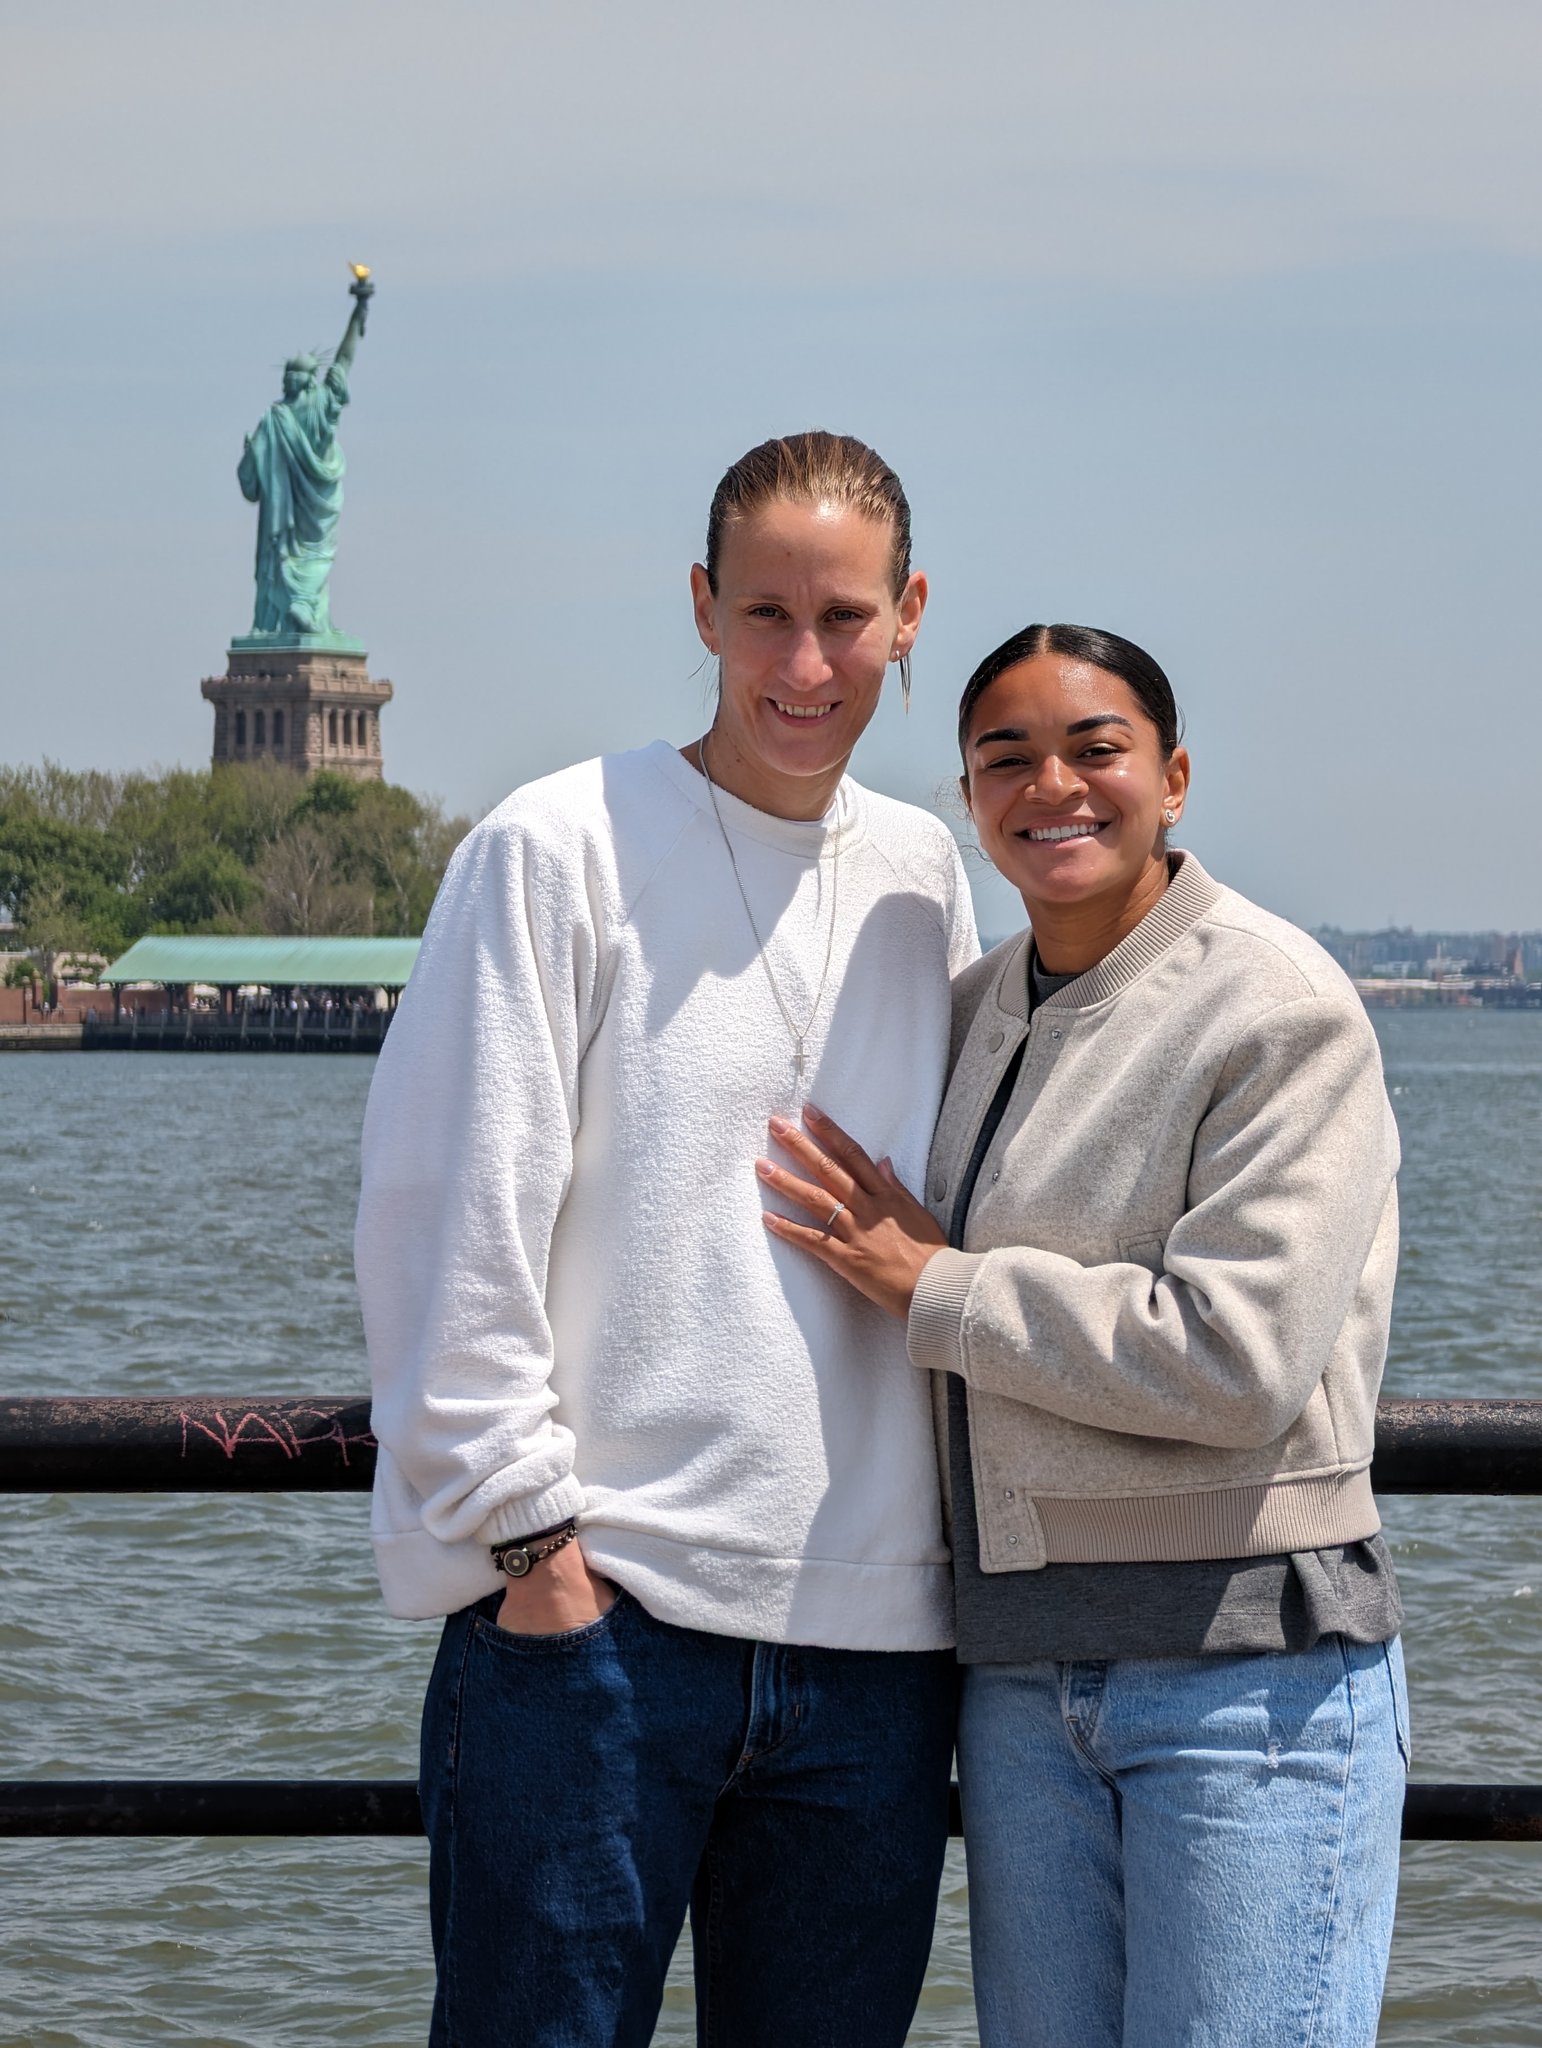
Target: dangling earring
<point>904,669</point>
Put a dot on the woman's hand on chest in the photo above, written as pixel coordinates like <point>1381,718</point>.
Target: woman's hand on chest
<point>865,1224</point>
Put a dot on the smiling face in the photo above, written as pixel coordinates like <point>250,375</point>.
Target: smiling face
<point>1067,786</point>
<point>804,621</point>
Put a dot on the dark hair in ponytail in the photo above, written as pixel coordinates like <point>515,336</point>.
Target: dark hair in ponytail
<point>1122,658</point>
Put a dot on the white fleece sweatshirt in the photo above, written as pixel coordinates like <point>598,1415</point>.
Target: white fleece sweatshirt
<point>571,1303</point>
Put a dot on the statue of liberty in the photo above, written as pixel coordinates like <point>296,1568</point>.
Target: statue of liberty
<point>292,470</point>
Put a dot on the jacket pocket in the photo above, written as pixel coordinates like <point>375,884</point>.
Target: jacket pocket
<point>1148,1250</point>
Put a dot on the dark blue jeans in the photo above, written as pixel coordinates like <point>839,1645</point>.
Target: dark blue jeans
<point>582,1790</point>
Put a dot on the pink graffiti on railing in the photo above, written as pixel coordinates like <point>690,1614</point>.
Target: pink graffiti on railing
<point>254,1428</point>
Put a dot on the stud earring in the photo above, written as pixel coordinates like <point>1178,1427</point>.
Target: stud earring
<point>1171,817</point>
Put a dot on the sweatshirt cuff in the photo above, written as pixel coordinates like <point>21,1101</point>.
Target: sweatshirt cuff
<point>934,1333</point>
<point>528,1512</point>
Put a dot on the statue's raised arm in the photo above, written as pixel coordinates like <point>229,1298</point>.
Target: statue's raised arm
<point>292,468</point>
<point>363,291</point>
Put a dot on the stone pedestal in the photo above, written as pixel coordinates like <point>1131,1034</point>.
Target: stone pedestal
<point>309,707</point>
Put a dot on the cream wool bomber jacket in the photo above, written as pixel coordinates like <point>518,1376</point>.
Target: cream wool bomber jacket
<point>1172,1303</point>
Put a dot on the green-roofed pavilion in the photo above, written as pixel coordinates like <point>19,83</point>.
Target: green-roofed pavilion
<point>267,963</point>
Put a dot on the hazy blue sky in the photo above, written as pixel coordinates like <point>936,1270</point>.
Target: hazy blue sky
<point>1213,322</point>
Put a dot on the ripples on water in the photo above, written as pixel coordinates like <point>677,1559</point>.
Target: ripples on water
<point>180,1224</point>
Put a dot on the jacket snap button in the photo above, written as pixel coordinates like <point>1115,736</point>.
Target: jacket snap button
<point>1012,1539</point>
<point>1009,1495</point>
<point>939,1189</point>
<point>997,1174</point>
<point>997,1040</point>
<point>1054,1034</point>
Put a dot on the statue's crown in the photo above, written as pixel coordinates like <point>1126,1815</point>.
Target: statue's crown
<point>307,366</point>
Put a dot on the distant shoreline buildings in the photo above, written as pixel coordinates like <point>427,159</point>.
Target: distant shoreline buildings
<point>1401,968</point>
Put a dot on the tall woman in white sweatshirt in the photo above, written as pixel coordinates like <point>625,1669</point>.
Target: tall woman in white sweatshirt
<point>675,1489</point>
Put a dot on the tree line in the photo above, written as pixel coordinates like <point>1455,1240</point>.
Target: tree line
<point>90,861</point>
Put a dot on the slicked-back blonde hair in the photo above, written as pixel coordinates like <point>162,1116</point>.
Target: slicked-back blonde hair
<point>813,469</point>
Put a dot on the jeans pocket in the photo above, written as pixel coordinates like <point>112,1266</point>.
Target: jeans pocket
<point>485,1623</point>
<point>1392,1653</point>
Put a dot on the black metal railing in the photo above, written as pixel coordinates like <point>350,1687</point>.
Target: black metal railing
<point>323,1444</point>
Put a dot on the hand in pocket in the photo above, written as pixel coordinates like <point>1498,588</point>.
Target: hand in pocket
<point>560,1594</point>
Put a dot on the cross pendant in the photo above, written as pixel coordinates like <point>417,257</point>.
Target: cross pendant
<point>799,1061</point>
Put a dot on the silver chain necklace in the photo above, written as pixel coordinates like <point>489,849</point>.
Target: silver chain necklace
<point>799,1036</point>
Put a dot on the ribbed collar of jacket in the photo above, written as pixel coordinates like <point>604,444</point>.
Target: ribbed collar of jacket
<point>1190,892</point>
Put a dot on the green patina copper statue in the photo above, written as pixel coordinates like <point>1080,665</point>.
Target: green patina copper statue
<point>292,470</point>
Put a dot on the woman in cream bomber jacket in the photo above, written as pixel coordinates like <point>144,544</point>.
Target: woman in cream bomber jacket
<point>1152,1279</point>
<point>1171,1310</point>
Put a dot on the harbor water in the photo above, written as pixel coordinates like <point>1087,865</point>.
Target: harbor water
<point>174,1224</point>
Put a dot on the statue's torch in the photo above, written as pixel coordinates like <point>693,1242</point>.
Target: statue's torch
<point>360,290</point>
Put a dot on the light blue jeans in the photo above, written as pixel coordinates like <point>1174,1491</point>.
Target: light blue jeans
<point>1194,1852</point>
